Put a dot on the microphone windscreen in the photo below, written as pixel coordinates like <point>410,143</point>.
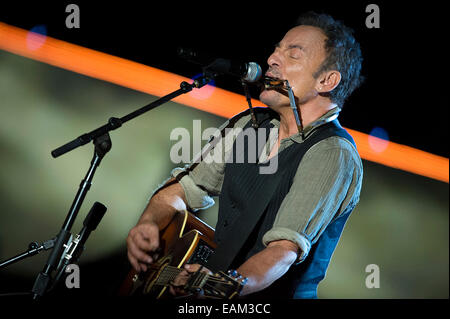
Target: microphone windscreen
<point>254,72</point>
<point>94,216</point>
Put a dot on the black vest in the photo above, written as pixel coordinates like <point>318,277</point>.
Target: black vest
<point>249,202</point>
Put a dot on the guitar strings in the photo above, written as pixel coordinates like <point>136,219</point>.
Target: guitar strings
<point>170,272</point>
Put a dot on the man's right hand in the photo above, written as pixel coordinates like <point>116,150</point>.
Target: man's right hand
<point>142,243</point>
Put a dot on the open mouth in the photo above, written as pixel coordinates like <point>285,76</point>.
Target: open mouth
<point>273,83</point>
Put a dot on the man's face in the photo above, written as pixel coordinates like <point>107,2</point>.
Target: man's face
<point>296,58</point>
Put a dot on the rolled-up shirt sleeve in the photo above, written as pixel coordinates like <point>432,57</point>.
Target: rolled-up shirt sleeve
<point>327,181</point>
<point>198,195</point>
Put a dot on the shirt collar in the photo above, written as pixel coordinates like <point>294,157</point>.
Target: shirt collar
<point>327,117</point>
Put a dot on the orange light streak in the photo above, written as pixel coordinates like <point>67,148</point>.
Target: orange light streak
<point>217,101</point>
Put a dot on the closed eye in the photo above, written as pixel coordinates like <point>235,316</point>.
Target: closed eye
<point>295,51</point>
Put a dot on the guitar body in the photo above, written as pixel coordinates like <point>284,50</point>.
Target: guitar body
<point>186,239</point>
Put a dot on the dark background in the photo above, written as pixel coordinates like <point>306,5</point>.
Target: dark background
<point>404,93</point>
<point>404,61</point>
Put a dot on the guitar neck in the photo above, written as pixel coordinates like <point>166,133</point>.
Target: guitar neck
<point>167,275</point>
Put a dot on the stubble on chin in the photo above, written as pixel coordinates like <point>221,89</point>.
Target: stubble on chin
<point>271,98</point>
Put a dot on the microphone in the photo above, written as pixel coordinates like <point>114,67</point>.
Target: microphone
<point>90,223</point>
<point>247,71</point>
<point>75,248</point>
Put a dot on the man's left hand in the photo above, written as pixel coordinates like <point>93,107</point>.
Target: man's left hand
<point>176,288</point>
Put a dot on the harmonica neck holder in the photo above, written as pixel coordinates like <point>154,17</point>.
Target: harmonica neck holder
<point>297,114</point>
<point>249,101</point>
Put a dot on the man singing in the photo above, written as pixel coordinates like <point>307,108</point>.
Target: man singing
<point>279,230</point>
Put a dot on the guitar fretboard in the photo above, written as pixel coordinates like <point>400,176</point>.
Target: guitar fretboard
<point>167,275</point>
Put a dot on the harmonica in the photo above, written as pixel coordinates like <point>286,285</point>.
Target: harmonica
<point>274,83</point>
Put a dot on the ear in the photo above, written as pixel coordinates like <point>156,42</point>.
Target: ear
<point>328,81</point>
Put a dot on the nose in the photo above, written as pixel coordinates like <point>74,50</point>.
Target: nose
<point>274,58</point>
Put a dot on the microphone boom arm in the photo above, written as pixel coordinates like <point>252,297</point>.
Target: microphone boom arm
<point>115,123</point>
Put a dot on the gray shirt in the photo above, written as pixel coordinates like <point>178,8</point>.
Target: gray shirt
<point>327,181</point>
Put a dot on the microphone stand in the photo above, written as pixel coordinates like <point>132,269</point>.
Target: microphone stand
<point>102,146</point>
<point>102,143</point>
<point>33,249</point>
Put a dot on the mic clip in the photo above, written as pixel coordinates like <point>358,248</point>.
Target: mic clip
<point>70,249</point>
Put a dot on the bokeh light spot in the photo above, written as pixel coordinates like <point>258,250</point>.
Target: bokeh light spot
<point>204,92</point>
<point>378,139</point>
<point>36,37</point>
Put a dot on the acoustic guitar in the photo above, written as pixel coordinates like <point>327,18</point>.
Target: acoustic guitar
<point>186,239</point>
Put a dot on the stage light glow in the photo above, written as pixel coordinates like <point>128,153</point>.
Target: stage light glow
<point>221,102</point>
<point>378,139</point>
<point>202,93</point>
<point>36,37</point>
